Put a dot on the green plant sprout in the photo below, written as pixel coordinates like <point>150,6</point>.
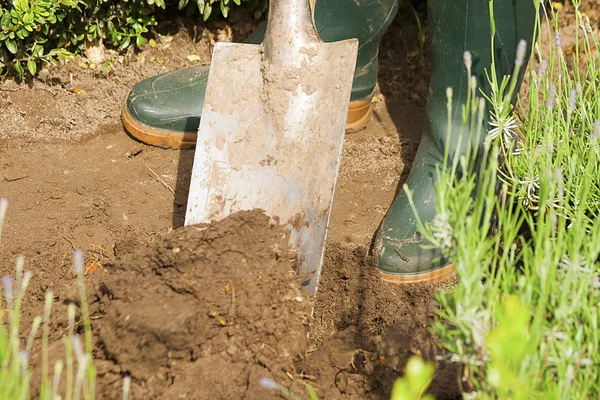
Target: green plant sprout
<point>415,381</point>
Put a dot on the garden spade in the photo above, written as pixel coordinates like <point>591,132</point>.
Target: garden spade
<point>272,130</point>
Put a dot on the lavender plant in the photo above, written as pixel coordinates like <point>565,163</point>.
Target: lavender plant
<point>15,370</point>
<point>523,319</point>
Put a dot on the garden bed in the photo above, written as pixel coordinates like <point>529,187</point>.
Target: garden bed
<point>75,179</point>
<point>207,311</point>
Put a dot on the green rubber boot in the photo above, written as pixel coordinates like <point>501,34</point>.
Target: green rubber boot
<point>165,110</point>
<point>455,26</point>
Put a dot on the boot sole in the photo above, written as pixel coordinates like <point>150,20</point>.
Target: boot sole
<point>439,275</point>
<point>359,113</point>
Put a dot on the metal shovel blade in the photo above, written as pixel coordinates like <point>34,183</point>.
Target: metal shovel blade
<point>272,131</point>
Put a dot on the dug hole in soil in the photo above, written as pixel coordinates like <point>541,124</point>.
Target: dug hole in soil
<point>206,311</point>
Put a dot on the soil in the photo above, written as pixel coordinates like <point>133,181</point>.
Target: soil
<point>213,317</point>
<point>211,309</point>
<point>205,313</point>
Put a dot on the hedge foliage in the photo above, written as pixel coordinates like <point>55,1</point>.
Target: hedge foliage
<point>36,31</point>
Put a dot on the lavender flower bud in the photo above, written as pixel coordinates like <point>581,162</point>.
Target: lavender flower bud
<point>78,259</point>
<point>468,59</point>
<point>84,361</point>
<point>26,279</point>
<point>48,302</point>
<point>586,25</point>
<point>596,131</point>
<point>126,386</point>
<point>449,92</point>
<point>8,288</point>
<point>557,40</point>
<point>551,96</point>
<point>77,348</point>
<point>521,49</point>
<point>37,321</point>
<point>3,207</point>
<point>572,99</point>
<point>578,88</point>
<point>481,110</point>
<point>268,383</point>
<point>473,82</point>
<point>71,315</point>
<point>24,356</point>
<point>543,68</point>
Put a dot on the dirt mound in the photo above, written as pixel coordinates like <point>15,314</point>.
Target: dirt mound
<point>204,314</point>
<point>211,309</point>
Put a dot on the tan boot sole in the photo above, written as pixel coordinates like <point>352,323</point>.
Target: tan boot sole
<point>358,115</point>
<point>438,275</point>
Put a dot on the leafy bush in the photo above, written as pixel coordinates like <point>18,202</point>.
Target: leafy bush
<point>36,31</point>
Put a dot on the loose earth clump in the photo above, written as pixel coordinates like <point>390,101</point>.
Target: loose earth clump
<point>205,313</point>
<point>211,309</point>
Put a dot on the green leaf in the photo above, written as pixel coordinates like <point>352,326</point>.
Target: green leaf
<point>5,21</point>
<point>11,45</point>
<point>207,11</point>
<point>37,51</point>
<point>200,4</point>
<point>19,68</point>
<point>182,4</point>
<point>32,67</point>
<point>224,9</point>
<point>126,42</point>
<point>140,41</point>
<point>237,2</point>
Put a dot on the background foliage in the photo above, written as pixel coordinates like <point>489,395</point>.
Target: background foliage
<point>36,31</point>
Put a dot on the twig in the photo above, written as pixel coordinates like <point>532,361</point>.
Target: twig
<point>232,306</point>
<point>159,179</point>
<point>16,179</point>
<point>401,256</point>
<point>70,242</point>
<point>45,89</point>
<point>102,251</point>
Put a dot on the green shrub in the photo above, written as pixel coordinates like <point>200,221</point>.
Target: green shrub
<point>33,32</point>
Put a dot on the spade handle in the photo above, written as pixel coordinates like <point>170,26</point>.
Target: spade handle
<point>290,33</point>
